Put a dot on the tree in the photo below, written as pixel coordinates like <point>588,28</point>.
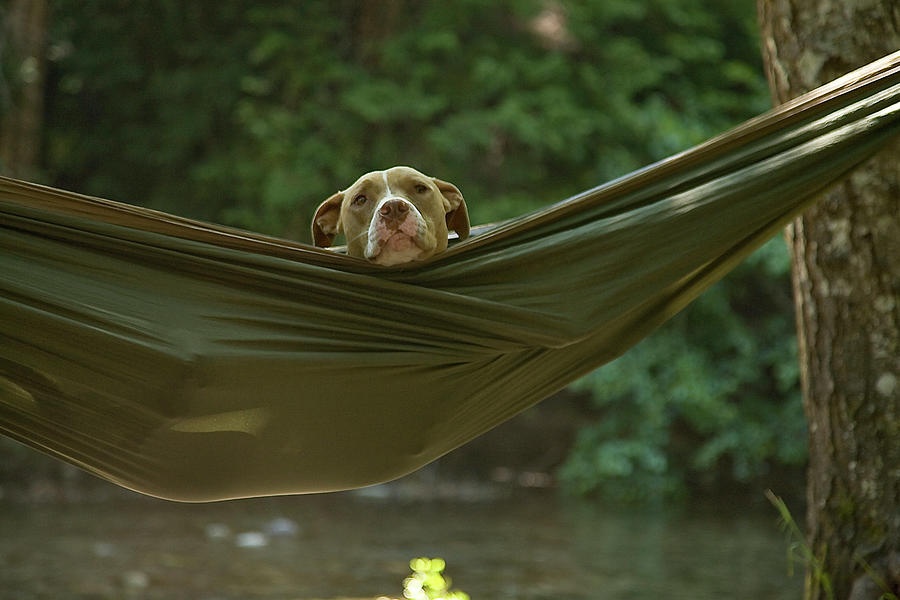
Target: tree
<point>23,38</point>
<point>846,275</point>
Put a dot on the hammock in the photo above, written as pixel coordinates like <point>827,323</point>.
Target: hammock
<point>195,362</point>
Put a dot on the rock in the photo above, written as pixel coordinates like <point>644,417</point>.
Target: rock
<point>251,539</point>
<point>218,531</point>
<point>103,549</point>
<point>282,527</point>
<point>135,580</point>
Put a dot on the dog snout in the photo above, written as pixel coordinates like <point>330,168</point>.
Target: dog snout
<point>394,211</point>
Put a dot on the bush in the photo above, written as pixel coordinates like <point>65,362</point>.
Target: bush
<point>712,396</point>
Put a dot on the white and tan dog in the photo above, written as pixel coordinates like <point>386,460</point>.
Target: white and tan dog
<point>393,216</point>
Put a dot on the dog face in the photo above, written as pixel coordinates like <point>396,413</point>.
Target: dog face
<point>393,216</point>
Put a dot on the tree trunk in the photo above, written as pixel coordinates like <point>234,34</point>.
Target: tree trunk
<point>23,38</point>
<point>374,22</point>
<point>846,275</point>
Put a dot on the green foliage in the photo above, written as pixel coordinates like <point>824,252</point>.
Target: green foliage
<point>428,581</point>
<point>712,395</point>
<point>250,113</point>
<point>799,550</point>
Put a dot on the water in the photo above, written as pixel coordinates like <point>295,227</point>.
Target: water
<point>533,546</point>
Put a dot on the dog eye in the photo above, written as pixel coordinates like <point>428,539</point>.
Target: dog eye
<point>360,200</point>
<point>421,189</point>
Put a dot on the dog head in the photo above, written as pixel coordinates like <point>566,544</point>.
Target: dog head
<point>393,216</point>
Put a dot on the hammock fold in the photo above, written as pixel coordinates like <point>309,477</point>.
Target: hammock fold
<point>195,362</point>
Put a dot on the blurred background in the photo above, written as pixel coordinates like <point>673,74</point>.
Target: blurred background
<point>250,113</point>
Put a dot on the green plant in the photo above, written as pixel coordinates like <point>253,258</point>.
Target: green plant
<point>428,581</point>
<point>798,549</point>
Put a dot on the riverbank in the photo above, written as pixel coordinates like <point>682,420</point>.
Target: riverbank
<point>529,545</point>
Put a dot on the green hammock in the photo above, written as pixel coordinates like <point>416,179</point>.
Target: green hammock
<point>195,362</point>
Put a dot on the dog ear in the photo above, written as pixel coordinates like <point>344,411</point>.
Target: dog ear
<point>326,223</point>
<point>455,205</point>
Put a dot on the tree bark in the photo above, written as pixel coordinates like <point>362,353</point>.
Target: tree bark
<point>374,22</point>
<point>23,39</point>
<point>846,277</point>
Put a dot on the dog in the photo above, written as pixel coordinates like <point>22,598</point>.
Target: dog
<point>392,217</point>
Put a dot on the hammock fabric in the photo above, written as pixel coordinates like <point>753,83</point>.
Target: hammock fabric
<point>195,362</point>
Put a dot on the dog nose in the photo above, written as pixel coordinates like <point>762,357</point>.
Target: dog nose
<point>394,210</point>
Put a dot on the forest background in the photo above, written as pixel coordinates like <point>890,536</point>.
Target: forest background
<point>249,114</point>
